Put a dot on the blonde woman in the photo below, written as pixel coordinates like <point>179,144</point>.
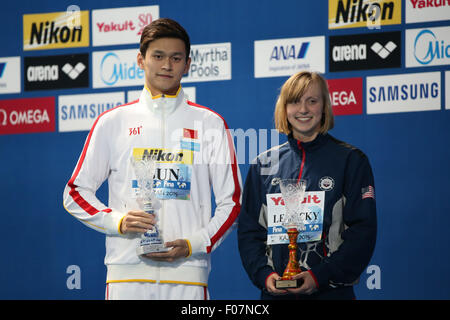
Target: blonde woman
<point>339,237</point>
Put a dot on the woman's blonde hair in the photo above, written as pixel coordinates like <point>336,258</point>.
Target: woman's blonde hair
<point>291,92</point>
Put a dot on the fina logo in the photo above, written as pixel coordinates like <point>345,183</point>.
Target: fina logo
<point>434,49</point>
<point>113,70</point>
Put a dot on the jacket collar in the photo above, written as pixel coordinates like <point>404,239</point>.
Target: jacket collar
<point>162,103</point>
<point>307,146</point>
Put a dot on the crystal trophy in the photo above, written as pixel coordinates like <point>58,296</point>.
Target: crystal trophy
<point>144,169</point>
<point>293,192</point>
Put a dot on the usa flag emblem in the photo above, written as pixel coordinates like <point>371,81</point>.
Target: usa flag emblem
<point>368,192</point>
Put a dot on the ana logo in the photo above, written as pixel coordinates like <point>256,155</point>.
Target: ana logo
<point>385,51</point>
<point>73,72</point>
<point>289,52</point>
<point>326,183</point>
<point>2,68</point>
<point>427,47</point>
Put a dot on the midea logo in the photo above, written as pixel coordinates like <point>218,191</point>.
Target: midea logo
<point>112,70</point>
<point>427,47</point>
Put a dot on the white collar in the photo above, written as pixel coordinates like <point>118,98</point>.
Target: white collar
<point>162,103</point>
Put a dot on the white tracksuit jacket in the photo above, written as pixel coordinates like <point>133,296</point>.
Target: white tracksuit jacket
<point>194,153</point>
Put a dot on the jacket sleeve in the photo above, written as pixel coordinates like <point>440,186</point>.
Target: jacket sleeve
<point>252,230</point>
<point>345,265</point>
<point>225,179</point>
<point>90,172</point>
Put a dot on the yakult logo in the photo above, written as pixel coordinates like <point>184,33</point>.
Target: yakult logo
<point>27,115</point>
<point>121,25</point>
<point>278,201</point>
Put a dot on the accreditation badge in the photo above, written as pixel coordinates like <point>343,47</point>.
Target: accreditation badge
<point>312,212</point>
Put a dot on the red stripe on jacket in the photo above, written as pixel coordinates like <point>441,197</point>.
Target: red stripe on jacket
<point>237,190</point>
<point>86,206</point>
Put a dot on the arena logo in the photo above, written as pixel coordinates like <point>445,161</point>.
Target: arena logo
<point>346,95</point>
<point>404,93</point>
<point>121,25</point>
<point>426,10</point>
<point>209,62</point>
<point>427,47</point>
<point>56,72</point>
<point>365,51</point>
<point>55,30</point>
<point>27,115</point>
<point>284,57</point>
<point>78,112</point>
<point>362,13</point>
<point>116,68</point>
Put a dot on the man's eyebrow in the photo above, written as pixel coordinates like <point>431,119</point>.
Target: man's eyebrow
<point>177,53</point>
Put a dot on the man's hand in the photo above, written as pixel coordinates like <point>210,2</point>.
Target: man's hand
<point>137,221</point>
<point>180,249</point>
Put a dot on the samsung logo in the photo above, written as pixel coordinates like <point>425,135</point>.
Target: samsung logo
<point>78,112</point>
<point>86,111</point>
<point>404,93</point>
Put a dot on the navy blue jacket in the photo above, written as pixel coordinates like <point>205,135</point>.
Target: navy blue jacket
<point>349,218</point>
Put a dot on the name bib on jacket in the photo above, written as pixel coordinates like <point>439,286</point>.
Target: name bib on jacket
<point>311,213</point>
<point>172,177</point>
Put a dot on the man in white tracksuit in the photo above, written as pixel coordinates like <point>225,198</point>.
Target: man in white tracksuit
<point>194,153</point>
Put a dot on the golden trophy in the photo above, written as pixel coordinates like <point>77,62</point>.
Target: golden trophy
<point>293,192</point>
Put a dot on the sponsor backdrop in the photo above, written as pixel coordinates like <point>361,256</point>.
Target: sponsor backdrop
<point>64,63</point>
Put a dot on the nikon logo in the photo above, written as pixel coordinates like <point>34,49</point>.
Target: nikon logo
<point>363,13</point>
<point>55,30</point>
<point>47,34</point>
<point>164,155</point>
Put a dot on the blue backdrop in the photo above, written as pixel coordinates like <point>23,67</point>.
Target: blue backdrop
<point>47,254</point>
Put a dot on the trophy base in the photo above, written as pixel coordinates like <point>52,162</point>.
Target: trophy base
<point>151,248</point>
<point>288,284</point>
